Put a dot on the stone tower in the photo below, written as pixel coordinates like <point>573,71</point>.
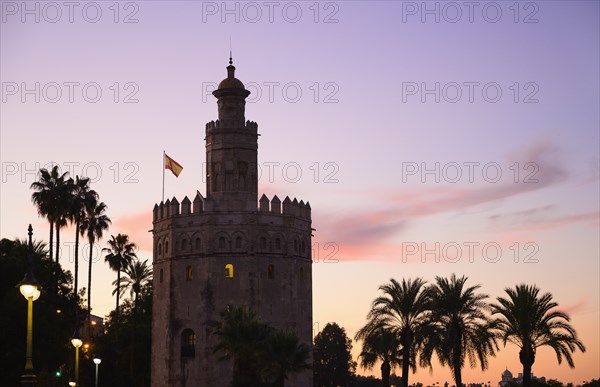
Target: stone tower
<point>228,248</point>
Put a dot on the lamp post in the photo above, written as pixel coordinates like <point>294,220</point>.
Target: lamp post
<point>97,361</point>
<point>76,341</point>
<point>30,289</point>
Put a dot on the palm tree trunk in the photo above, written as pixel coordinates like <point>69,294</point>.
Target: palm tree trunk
<point>526,356</point>
<point>385,373</point>
<point>526,375</point>
<point>118,289</point>
<point>76,274</point>
<point>458,377</point>
<point>456,353</point>
<point>53,280</point>
<point>405,364</point>
<point>456,364</point>
<point>51,238</point>
<point>133,329</point>
<point>89,298</point>
<point>57,241</point>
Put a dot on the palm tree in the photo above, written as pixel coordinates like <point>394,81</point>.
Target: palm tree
<point>239,338</point>
<point>44,198</point>
<point>81,198</point>
<point>137,274</point>
<point>529,321</point>
<point>402,309</point>
<point>120,254</point>
<point>93,226</point>
<point>380,343</point>
<point>282,355</point>
<point>459,328</point>
<point>39,247</point>
<point>62,205</point>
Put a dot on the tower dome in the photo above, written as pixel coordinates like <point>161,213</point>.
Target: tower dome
<point>231,82</point>
<point>507,374</point>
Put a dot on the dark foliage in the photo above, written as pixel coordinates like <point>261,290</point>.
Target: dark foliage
<point>332,361</point>
<point>51,329</point>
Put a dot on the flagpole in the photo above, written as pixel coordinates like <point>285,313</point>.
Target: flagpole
<point>163,168</point>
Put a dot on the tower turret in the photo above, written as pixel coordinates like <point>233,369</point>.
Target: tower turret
<point>231,149</point>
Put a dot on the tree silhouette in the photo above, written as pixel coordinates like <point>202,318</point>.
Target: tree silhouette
<point>93,226</point>
<point>402,309</point>
<point>81,197</point>
<point>458,328</point>
<point>120,254</point>
<point>529,320</point>
<point>44,197</point>
<point>332,361</point>
<point>380,344</point>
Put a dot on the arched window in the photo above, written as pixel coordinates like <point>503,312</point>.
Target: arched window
<point>159,249</point>
<point>222,243</point>
<point>188,343</point>
<point>189,273</point>
<point>166,247</point>
<point>183,244</point>
<point>301,275</point>
<point>278,244</point>
<point>303,247</point>
<point>263,243</point>
<point>198,243</point>
<point>160,276</point>
<point>229,270</point>
<point>270,272</point>
<point>296,245</point>
<point>238,242</point>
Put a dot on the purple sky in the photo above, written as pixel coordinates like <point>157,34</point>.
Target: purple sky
<point>344,93</point>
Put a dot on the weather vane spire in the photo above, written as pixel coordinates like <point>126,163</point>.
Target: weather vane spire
<point>230,56</point>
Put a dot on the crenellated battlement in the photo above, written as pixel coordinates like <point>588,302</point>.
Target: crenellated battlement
<point>215,125</point>
<point>172,208</point>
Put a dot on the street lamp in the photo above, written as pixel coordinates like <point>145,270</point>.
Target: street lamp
<point>76,341</point>
<point>97,361</point>
<point>30,289</point>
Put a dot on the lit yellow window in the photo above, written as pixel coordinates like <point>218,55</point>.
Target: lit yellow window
<point>229,270</point>
<point>189,273</point>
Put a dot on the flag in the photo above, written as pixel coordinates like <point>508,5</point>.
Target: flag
<point>173,165</point>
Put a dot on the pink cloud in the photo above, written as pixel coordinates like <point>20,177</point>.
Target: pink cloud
<point>136,225</point>
<point>363,235</point>
<point>578,307</point>
<point>531,222</point>
<point>543,172</point>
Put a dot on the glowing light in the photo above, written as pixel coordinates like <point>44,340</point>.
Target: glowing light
<point>28,291</point>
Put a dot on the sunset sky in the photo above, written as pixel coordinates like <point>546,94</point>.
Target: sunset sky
<point>429,138</point>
